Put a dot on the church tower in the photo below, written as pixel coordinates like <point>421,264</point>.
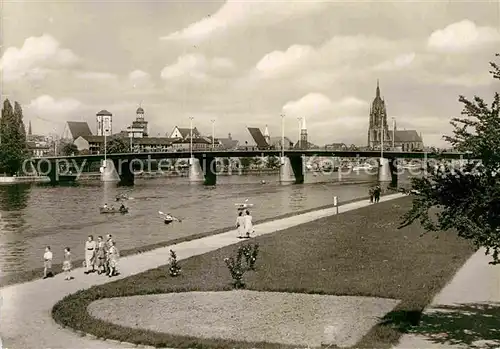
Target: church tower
<point>378,122</point>
<point>303,135</point>
<point>267,137</point>
<point>29,129</point>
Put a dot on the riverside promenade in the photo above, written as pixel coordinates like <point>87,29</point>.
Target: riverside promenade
<point>25,315</point>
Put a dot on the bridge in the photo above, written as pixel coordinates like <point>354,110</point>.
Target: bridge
<point>202,163</point>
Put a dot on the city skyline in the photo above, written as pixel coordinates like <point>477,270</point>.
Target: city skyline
<point>245,63</point>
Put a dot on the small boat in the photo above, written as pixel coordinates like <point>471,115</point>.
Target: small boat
<point>103,210</point>
<point>362,167</point>
<point>243,206</point>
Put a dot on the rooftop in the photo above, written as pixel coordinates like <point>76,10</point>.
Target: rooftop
<point>79,128</point>
<point>104,112</point>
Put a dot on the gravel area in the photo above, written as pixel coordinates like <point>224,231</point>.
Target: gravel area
<point>284,318</point>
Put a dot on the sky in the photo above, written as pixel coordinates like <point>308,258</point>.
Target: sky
<point>246,63</point>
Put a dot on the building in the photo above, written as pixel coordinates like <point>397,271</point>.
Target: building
<point>336,146</point>
<point>379,133</point>
<point>184,133</point>
<point>76,129</point>
<point>262,141</point>
<point>276,143</point>
<point>104,123</point>
<point>139,127</point>
<point>200,143</point>
<point>92,144</point>
<point>224,143</point>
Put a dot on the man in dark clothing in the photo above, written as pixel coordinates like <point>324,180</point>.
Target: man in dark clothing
<point>377,193</point>
<point>371,192</point>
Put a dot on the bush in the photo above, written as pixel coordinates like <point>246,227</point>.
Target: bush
<point>175,268</point>
<point>236,269</point>
<point>250,252</point>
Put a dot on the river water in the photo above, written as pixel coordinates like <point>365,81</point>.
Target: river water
<point>33,216</point>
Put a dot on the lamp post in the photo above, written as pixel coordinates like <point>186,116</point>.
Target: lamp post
<point>393,131</point>
<point>191,136</point>
<point>381,139</point>
<point>213,134</point>
<point>299,119</point>
<point>282,137</point>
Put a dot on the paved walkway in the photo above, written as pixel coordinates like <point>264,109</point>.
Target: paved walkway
<point>476,282</point>
<point>25,315</point>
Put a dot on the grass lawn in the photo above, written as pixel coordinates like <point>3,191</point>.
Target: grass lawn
<point>29,275</point>
<point>358,253</point>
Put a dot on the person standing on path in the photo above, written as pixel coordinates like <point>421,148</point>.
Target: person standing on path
<point>100,255</point>
<point>108,244</point>
<point>90,251</point>
<point>377,192</point>
<point>240,225</point>
<point>248,224</point>
<point>47,263</point>
<point>113,260</point>
<point>67,264</point>
<point>371,192</point>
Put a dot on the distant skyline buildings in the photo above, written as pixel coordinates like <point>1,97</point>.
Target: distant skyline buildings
<point>310,59</point>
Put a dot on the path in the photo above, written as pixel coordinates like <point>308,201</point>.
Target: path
<point>25,315</point>
<point>476,282</point>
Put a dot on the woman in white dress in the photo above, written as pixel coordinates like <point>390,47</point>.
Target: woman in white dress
<point>248,224</point>
<point>240,224</point>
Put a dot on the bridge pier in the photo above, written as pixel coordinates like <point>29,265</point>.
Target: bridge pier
<point>203,170</point>
<point>387,172</point>
<point>51,169</point>
<point>108,170</point>
<point>292,169</point>
<point>123,172</point>
<point>195,171</point>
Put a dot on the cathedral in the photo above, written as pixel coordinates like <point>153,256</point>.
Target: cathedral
<point>379,132</point>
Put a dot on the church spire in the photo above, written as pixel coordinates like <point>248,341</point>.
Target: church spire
<point>303,124</point>
<point>266,132</point>
<point>29,129</point>
<point>378,90</point>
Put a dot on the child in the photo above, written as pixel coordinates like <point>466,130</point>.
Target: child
<point>47,263</point>
<point>67,264</point>
<point>240,224</point>
<point>113,259</point>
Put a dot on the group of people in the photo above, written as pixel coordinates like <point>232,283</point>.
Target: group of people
<point>374,193</point>
<point>100,256</point>
<point>111,208</point>
<point>244,224</point>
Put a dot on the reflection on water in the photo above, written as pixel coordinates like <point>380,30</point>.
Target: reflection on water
<point>33,216</point>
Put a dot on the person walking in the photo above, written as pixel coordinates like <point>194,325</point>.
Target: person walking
<point>47,263</point>
<point>90,250</point>
<point>67,266</point>
<point>100,255</point>
<point>371,192</point>
<point>108,244</point>
<point>240,224</point>
<point>248,224</point>
<point>377,193</point>
<point>113,259</point>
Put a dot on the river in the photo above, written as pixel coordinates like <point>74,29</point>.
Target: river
<point>33,216</point>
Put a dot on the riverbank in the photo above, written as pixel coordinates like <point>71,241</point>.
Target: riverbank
<point>360,253</point>
<point>6,180</point>
<point>29,275</point>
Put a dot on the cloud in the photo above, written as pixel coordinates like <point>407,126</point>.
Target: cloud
<point>461,36</point>
<point>279,62</point>
<point>138,75</point>
<point>340,55</point>
<point>399,62</point>
<point>236,13</point>
<point>196,66</point>
<point>35,59</point>
<point>89,75</point>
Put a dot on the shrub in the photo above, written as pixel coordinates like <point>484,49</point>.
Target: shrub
<point>236,269</point>
<point>250,252</point>
<point>175,268</point>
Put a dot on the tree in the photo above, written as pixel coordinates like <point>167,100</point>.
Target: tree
<point>245,162</point>
<point>13,146</point>
<point>466,199</point>
<point>117,145</point>
<point>68,149</point>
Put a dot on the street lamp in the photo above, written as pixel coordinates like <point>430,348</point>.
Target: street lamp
<point>299,119</point>
<point>213,134</point>
<point>282,137</point>
<point>191,136</point>
<point>393,131</point>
